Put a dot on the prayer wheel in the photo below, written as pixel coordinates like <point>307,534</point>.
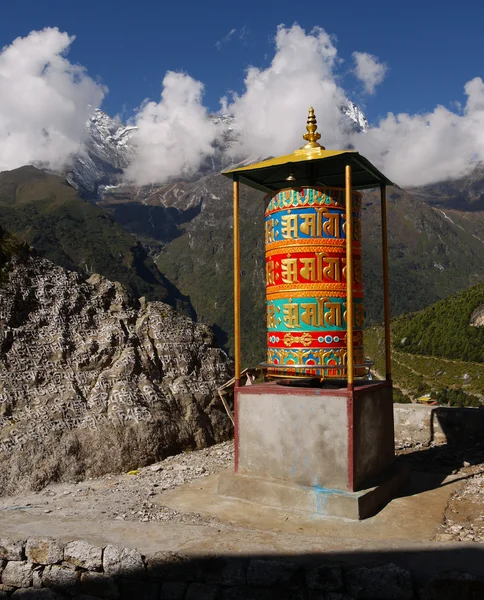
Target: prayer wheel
<point>314,313</point>
<point>306,288</point>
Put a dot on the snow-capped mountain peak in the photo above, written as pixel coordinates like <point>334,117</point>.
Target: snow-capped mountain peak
<point>106,152</point>
<point>108,148</point>
<point>356,116</point>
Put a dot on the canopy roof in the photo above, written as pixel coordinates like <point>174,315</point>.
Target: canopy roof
<point>312,165</point>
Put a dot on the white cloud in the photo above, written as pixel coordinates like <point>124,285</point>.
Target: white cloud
<point>423,149</point>
<point>410,149</point>
<point>270,114</point>
<point>369,70</point>
<point>174,135</point>
<point>45,101</point>
<point>244,32</point>
<point>226,38</point>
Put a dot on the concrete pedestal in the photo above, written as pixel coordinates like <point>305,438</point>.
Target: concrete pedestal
<point>329,451</point>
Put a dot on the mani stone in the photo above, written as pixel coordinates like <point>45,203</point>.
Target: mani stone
<point>44,551</point>
<point>18,573</point>
<point>82,554</point>
<point>88,365</point>
<point>386,582</point>
<point>124,562</point>
<point>11,549</point>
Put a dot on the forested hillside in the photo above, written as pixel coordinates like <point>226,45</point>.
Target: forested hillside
<point>47,213</point>
<point>444,329</point>
<point>438,352</point>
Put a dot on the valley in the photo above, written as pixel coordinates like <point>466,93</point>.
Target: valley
<point>432,254</point>
<point>173,241</point>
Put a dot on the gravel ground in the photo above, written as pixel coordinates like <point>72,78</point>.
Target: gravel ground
<point>464,516</point>
<point>129,497</point>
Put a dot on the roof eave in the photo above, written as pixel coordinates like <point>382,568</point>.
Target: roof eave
<point>273,164</point>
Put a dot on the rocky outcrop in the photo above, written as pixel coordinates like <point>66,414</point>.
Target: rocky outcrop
<point>93,381</point>
<point>477,317</point>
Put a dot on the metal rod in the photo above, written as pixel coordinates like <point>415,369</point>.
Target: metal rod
<point>236,281</point>
<point>349,278</point>
<point>386,287</point>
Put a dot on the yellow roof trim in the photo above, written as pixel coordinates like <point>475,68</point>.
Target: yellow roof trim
<point>297,156</point>
<point>324,168</point>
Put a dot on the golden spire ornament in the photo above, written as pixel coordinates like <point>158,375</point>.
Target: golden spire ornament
<point>312,136</point>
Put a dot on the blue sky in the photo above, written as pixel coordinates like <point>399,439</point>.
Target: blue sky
<point>415,68</point>
<point>431,48</point>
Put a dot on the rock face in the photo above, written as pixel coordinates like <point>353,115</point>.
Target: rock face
<point>477,317</point>
<point>93,381</point>
<point>107,151</point>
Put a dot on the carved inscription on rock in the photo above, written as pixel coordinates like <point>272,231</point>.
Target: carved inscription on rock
<point>86,367</point>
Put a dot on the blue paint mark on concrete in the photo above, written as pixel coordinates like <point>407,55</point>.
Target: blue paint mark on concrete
<point>308,466</point>
<point>322,490</point>
<point>322,497</point>
<point>321,503</point>
<point>293,470</point>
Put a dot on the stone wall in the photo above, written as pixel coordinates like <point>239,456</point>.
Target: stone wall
<point>47,569</point>
<point>418,423</point>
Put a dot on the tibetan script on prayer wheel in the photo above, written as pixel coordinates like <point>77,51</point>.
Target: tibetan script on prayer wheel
<point>306,283</point>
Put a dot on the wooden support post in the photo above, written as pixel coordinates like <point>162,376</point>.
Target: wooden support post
<point>386,287</point>
<point>236,282</point>
<point>350,365</point>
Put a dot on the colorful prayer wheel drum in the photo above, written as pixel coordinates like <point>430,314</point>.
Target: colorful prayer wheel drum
<point>306,283</point>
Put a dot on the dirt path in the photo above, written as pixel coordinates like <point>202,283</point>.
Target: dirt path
<point>129,497</point>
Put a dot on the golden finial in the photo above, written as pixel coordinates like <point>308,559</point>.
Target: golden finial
<point>312,136</point>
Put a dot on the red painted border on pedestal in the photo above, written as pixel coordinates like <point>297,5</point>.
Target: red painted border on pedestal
<point>286,390</point>
<point>351,443</point>
<point>236,430</point>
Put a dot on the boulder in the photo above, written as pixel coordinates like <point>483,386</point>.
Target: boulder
<point>93,381</point>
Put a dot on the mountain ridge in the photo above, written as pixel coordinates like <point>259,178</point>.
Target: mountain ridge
<point>47,213</point>
<point>436,239</point>
<point>436,352</point>
<point>108,149</point>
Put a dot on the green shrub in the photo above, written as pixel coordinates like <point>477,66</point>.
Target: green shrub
<point>399,397</point>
